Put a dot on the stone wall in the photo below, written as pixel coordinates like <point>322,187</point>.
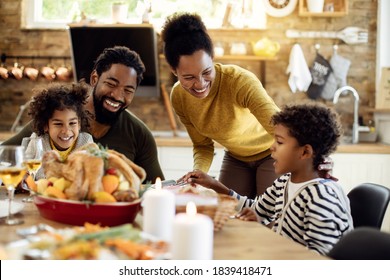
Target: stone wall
<point>46,43</point>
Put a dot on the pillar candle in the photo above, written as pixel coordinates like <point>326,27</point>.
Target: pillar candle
<point>192,235</point>
<point>158,212</point>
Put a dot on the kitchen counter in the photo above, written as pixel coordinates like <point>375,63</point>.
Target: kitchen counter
<point>168,140</point>
<point>361,148</point>
<point>4,135</point>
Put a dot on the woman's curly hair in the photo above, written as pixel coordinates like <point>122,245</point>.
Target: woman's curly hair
<point>184,34</point>
<point>313,124</point>
<point>57,97</point>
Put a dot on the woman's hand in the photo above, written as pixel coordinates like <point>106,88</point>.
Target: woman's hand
<point>325,169</point>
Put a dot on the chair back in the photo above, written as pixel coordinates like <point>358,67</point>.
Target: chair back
<point>363,243</point>
<point>369,203</point>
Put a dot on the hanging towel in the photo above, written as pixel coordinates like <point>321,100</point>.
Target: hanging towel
<point>338,78</point>
<point>300,77</point>
<point>320,72</point>
<point>340,66</point>
<point>330,87</point>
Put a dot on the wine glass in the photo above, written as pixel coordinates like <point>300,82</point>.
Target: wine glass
<point>12,172</point>
<point>33,152</point>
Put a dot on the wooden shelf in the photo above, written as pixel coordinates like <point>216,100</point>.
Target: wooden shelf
<point>239,57</point>
<point>340,9</point>
<point>245,58</point>
<point>260,59</point>
<point>376,110</point>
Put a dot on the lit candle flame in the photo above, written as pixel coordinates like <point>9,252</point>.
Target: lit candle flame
<point>157,185</point>
<point>191,209</point>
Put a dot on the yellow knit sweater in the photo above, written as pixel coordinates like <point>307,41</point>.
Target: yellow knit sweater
<point>236,114</point>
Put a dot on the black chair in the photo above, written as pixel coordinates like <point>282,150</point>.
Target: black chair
<point>368,204</point>
<point>363,243</point>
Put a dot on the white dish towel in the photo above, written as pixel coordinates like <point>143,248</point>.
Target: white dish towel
<point>300,77</point>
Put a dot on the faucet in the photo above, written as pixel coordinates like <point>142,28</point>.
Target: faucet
<point>18,117</point>
<point>355,127</point>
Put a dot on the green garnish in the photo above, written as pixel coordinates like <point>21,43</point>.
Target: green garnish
<point>100,152</point>
<point>126,231</point>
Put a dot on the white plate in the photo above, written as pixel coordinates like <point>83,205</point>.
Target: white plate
<point>40,245</point>
<point>16,207</point>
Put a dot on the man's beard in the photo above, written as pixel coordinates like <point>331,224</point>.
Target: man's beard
<point>102,115</point>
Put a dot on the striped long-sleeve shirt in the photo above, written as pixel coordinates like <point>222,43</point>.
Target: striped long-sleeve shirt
<point>316,217</point>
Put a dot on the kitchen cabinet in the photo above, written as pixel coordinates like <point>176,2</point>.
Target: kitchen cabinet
<point>354,169</point>
<point>340,9</point>
<point>176,161</point>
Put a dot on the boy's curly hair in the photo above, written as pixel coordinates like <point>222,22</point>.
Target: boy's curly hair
<point>184,34</point>
<point>57,97</point>
<point>313,124</point>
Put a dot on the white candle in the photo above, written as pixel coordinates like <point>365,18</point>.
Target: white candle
<point>192,235</point>
<point>158,212</point>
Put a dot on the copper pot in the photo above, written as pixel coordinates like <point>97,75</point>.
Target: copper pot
<point>31,73</point>
<point>17,71</point>
<point>4,72</point>
<point>48,72</point>
<point>63,73</point>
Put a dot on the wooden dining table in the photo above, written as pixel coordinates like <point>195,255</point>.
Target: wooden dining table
<point>237,240</point>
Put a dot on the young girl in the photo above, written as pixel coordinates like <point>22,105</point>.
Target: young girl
<point>300,205</point>
<point>58,118</point>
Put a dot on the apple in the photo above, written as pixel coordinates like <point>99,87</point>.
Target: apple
<point>61,184</point>
<point>42,185</point>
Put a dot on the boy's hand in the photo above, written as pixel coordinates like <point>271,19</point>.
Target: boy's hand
<point>205,180</point>
<point>247,214</point>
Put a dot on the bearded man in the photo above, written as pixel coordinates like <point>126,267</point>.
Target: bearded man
<point>116,74</point>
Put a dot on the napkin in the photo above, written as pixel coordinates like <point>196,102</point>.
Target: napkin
<point>300,77</point>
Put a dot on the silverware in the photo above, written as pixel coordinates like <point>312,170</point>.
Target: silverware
<point>34,230</point>
<point>350,35</point>
<point>167,183</point>
<point>36,254</point>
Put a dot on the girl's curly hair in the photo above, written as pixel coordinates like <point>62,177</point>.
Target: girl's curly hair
<point>313,124</point>
<point>184,34</point>
<point>57,97</point>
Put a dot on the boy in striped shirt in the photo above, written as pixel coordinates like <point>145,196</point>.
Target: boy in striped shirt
<point>300,205</point>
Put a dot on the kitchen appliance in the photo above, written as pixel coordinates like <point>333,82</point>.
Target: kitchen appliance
<point>88,42</point>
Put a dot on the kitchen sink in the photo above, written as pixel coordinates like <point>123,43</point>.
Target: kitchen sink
<point>364,137</point>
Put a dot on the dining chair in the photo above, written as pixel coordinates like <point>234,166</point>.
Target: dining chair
<point>363,243</point>
<point>369,203</point>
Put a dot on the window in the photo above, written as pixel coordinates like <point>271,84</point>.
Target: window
<point>48,14</point>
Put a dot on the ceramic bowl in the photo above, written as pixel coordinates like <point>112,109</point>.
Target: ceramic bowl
<point>77,212</point>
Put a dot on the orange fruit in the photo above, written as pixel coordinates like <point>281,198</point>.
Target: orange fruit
<point>31,184</point>
<point>54,192</point>
<point>110,183</point>
<point>103,197</point>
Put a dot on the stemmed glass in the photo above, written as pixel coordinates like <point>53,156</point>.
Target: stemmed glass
<point>33,152</point>
<point>12,172</point>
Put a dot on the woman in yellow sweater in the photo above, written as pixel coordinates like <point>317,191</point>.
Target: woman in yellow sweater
<point>220,103</point>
